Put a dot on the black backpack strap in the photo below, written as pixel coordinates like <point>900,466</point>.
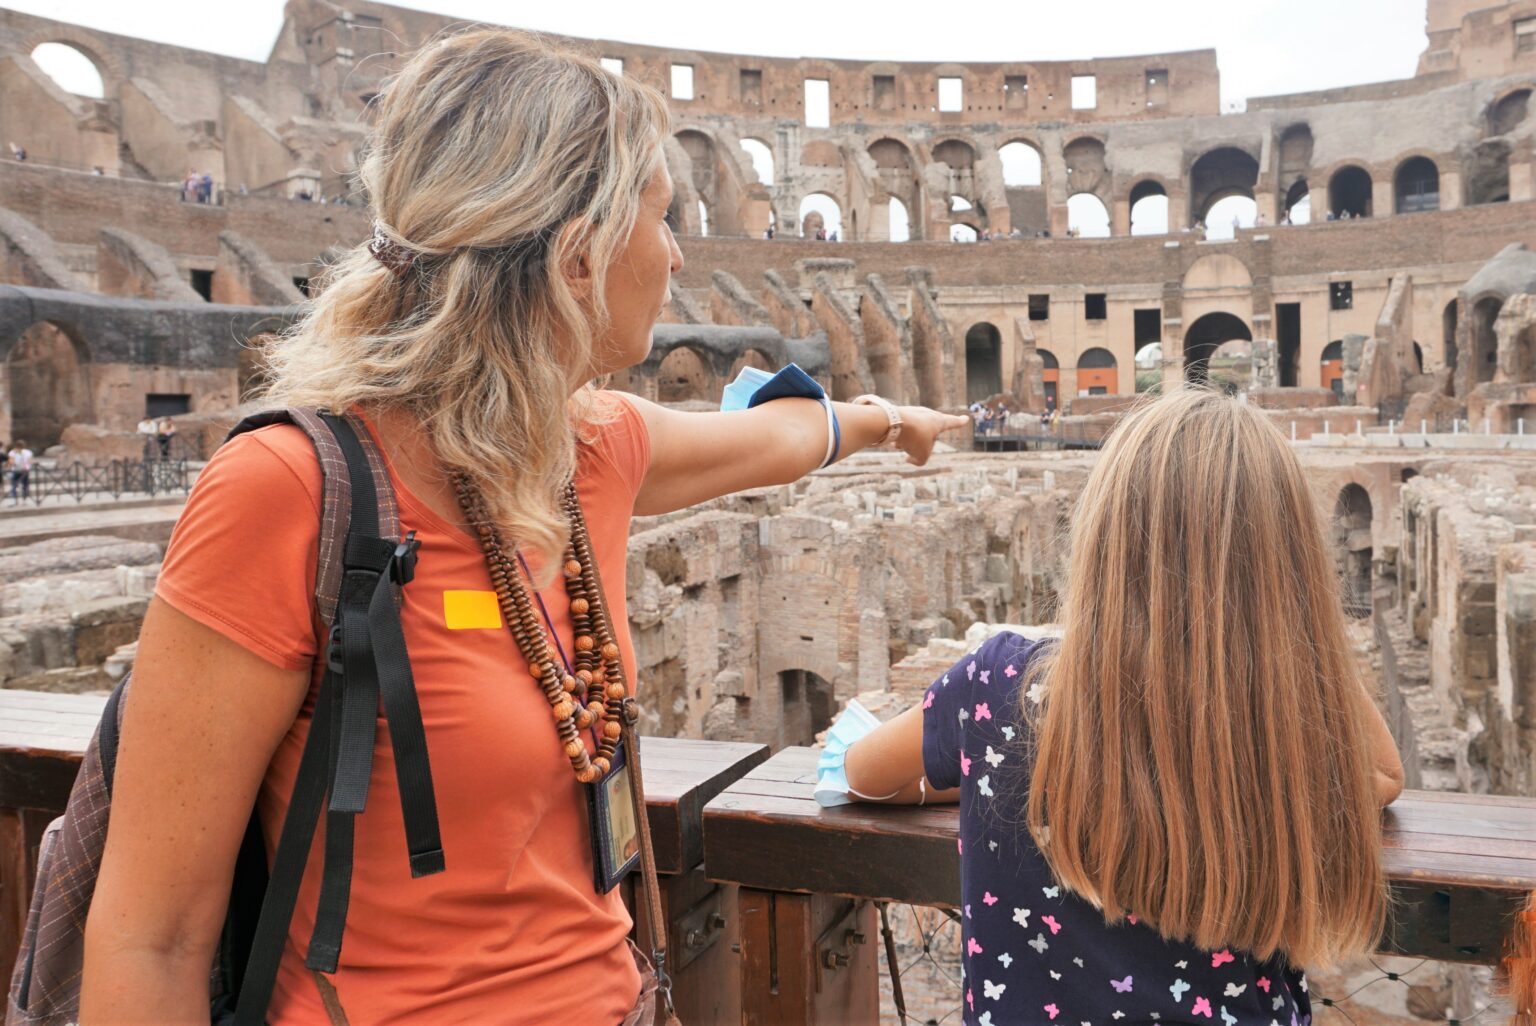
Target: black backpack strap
<point>368,647</point>
<point>357,509</point>
<point>287,866</point>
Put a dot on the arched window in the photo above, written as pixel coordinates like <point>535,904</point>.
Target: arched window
<point>1298,202</point>
<point>1087,216</point>
<point>1206,336</point>
<point>1417,185</point>
<point>1349,192</point>
<point>70,69</point>
<point>1229,214</point>
<point>1050,377</point>
<point>1485,342</point>
<point>1149,209</point>
<point>762,159</point>
<point>1021,165</point>
<point>962,233</point>
<point>1331,369</point>
<point>818,210</point>
<point>900,225</point>
<point>1216,175</point>
<point>983,362</point>
<point>1352,540</point>
<point>1149,367</point>
<point>1097,372</point>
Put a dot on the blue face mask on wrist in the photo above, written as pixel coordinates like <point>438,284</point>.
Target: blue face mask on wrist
<point>754,387</point>
<point>853,723</point>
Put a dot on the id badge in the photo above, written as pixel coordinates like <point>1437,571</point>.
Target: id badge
<point>611,816</point>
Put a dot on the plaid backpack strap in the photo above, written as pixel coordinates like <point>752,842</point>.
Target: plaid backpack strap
<point>335,492</point>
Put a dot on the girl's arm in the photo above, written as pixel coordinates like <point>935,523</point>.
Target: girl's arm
<point>890,758</point>
<point>201,724</point>
<point>700,456</point>
<point>1387,764</point>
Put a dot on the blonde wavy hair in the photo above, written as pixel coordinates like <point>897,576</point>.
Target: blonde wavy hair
<point>1200,759</point>
<point>498,158</point>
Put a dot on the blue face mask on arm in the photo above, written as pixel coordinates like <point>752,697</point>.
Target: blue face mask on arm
<point>832,788</point>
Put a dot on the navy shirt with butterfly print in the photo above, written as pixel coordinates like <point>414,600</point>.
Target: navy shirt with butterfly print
<point>1034,954</point>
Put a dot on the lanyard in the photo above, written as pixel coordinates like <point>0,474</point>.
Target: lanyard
<point>550,623</point>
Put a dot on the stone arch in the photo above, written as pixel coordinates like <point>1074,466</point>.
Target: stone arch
<point>62,62</point>
<point>1023,164</point>
<point>1331,367</point>
<point>702,175</point>
<point>983,362</point>
<point>1295,153</point>
<point>761,155</point>
<point>1485,341</point>
<point>1509,111</point>
<point>1219,173</point>
<point>1149,207</point>
<point>1486,173</point>
<point>1050,377</point>
<point>1087,165</point>
<point>808,703</point>
<point>897,171</point>
<point>1349,191</point>
<point>1097,372</point>
<point>958,154</point>
<point>1352,514</point>
<point>1087,216</point>
<point>1217,271</point>
<point>959,160</point>
<point>48,372</point>
<point>1297,207</point>
<point>754,358</point>
<point>684,375</point>
<point>1205,336</point>
<point>1416,185</point>
<point>108,65</point>
<point>820,210</point>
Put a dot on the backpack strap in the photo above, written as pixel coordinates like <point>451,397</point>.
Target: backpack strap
<point>356,595</point>
<point>367,646</point>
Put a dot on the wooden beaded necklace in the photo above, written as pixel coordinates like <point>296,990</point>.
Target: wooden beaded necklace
<point>594,694</point>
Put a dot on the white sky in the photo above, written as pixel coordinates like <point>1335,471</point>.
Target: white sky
<point>1263,46</point>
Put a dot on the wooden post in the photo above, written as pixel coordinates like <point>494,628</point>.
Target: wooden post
<point>808,958</point>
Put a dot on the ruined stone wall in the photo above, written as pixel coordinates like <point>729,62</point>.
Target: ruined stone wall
<point>1463,582</point>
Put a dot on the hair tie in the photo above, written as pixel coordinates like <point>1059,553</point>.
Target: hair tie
<point>391,254</point>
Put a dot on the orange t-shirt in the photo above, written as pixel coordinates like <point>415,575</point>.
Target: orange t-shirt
<point>513,930</point>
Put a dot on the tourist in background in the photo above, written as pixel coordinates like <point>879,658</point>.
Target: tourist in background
<point>1200,795</point>
<point>521,249</point>
<point>164,432</point>
<point>18,465</point>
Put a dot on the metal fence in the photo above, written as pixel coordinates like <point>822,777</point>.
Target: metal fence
<point>117,479</point>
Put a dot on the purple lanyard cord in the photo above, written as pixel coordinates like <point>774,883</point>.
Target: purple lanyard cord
<point>550,623</point>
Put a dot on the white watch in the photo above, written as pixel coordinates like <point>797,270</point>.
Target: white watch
<point>892,414</point>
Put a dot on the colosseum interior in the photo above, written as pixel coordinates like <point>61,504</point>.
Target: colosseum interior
<point>1061,236</point>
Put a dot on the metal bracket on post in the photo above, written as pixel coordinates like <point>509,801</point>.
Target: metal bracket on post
<point>834,948</point>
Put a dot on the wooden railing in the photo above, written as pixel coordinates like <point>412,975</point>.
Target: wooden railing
<point>770,899</point>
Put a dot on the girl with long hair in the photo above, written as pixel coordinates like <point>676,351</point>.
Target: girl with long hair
<point>1172,810</point>
<point>521,251</point>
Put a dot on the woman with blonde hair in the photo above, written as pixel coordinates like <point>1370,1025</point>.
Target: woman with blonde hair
<point>1170,811</point>
<point>521,251</point>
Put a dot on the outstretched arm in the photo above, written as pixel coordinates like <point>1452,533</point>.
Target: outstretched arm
<point>700,456</point>
<point>890,759</point>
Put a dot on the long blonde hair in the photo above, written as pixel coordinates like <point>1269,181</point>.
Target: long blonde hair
<point>498,157</point>
<point>1200,760</point>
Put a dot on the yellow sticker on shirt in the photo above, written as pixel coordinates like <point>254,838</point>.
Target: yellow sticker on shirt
<point>471,610</point>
